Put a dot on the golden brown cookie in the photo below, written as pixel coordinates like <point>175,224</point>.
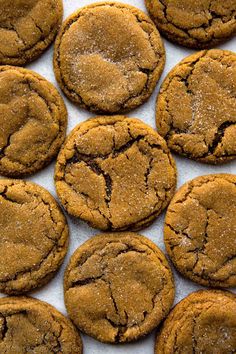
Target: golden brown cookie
<point>118,287</point>
<point>204,322</point>
<point>27,28</point>
<point>28,325</point>
<point>115,173</point>
<point>108,57</point>
<point>34,236</point>
<point>196,107</point>
<point>194,23</point>
<point>200,230</point>
<point>33,121</point>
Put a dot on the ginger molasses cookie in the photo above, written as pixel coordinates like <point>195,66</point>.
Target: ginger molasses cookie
<point>194,24</point>
<point>196,107</point>
<point>34,236</point>
<point>108,57</point>
<point>27,28</point>
<point>28,325</point>
<point>33,121</point>
<point>118,287</point>
<point>200,230</point>
<point>115,173</point>
<point>204,322</point>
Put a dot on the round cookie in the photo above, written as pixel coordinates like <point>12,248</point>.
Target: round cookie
<point>28,27</point>
<point>28,325</point>
<point>200,230</point>
<point>108,57</point>
<point>118,287</point>
<point>194,24</point>
<point>33,121</point>
<point>204,322</point>
<point>34,236</point>
<point>203,128</point>
<point>115,173</point>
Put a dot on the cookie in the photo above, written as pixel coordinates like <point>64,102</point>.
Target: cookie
<point>204,322</point>
<point>115,173</point>
<point>196,107</point>
<point>28,27</point>
<point>118,287</point>
<point>34,236</point>
<point>33,121</point>
<point>200,230</point>
<point>108,57</point>
<point>194,24</point>
<point>28,325</point>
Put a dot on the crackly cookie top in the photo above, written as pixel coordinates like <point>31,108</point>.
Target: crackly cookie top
<point>200,230</point>
<point>118,287</point>
<point>195,24</point>
<point>196,108</point>
<point>204,322</point>
<point>108,57</point>
<point>33,120</point>
<point>28,325</point>
<point>27,27</point>
<point>115,173</point>
<point>34,236</point>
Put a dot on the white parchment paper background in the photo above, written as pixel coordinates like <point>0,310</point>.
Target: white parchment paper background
<point>80,232</point>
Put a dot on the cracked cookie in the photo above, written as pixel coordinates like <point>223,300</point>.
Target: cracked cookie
<point>200,230</point>
<point>204,127</point>
<point>204,322</point>
<point>33,121</point>
<point>28,325</point>
<point>27,28</point>
<point>34,236</point>
<point>108,57</point>
<point>194,24</point>
<point>115,173</point>
<point>118,287</point>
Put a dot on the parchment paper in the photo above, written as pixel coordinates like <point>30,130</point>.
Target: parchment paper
<point>79,231</point>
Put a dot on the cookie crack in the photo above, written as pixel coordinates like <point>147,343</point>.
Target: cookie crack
<point>181,232</point>
<point>185,80</point>
<point>93,165</point>
<point>18,274</point>
<point>59,346</point>
<point>119,326</point>
<point>194,340</point>
<point>4,328</point>
<point>8,144</point>
<point>219,137</point>
<point>90,280</point>
<point>130,249</point>
<point>48,344</point>
<point>214,16</point>
<point>39,28</point>
<point>228,260</point>
<point>86,281</point>
<point>78,156</point>
<point>86,198</point>
<point>13,28</point>
<point>205,237</point>
<point>4,195</point>
<point>90,161</point>
<point>42,200</point>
